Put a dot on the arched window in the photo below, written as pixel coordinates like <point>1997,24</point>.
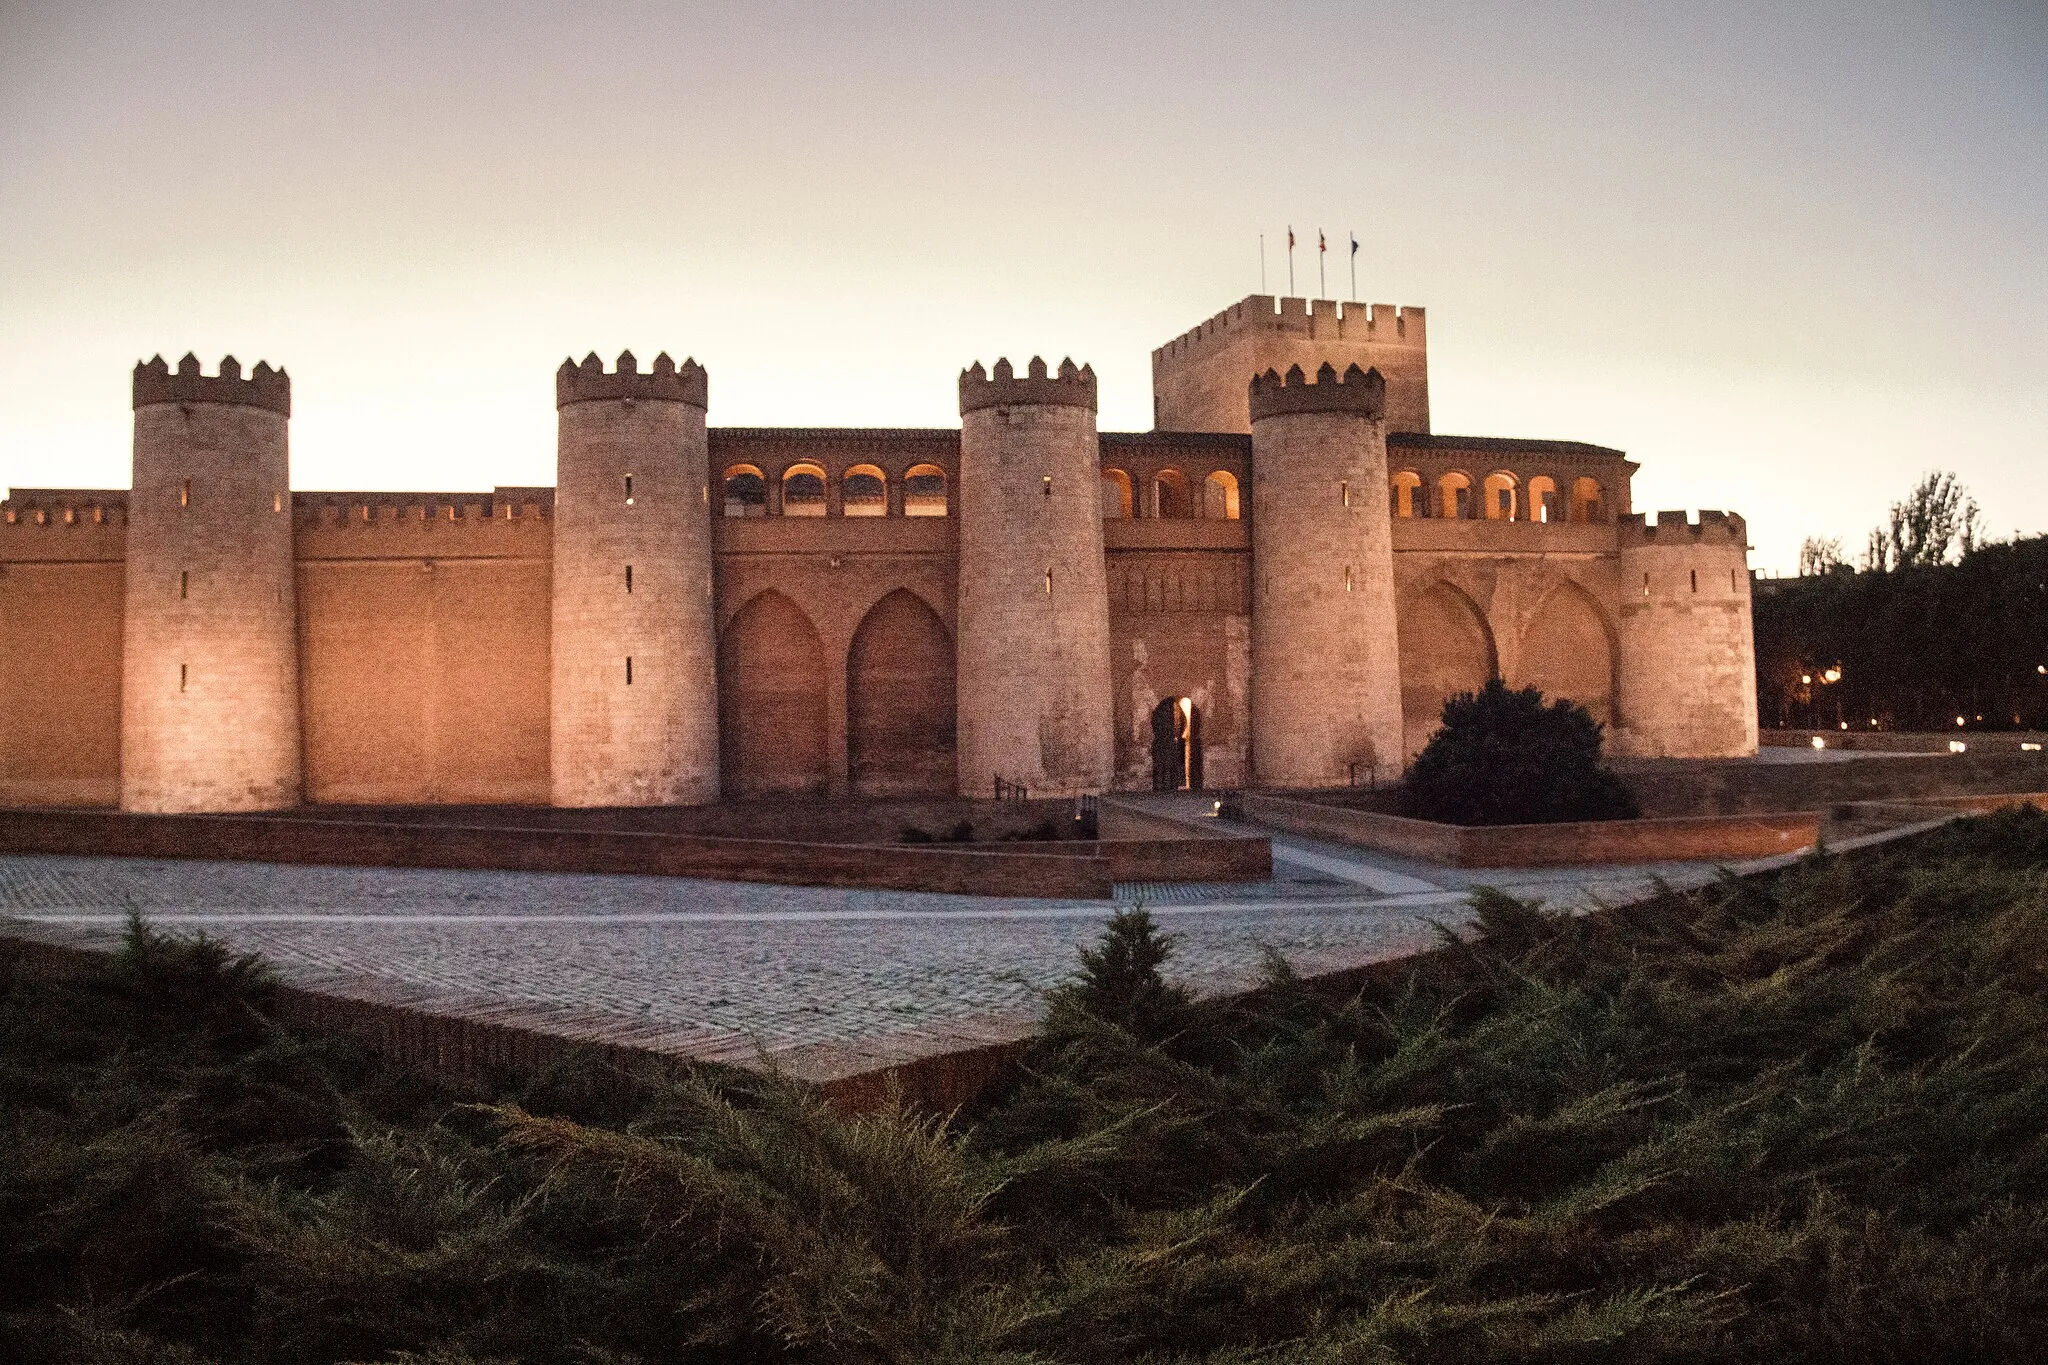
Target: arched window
<point>1116,495</point>
<point>746,492</point>
<point>1454,495</point>
<point>803,491</point>
<point>924,491</point>
<point>1408,500</point>
<point>1219,496</point>
<point>864,492</point>
<point>1500,497</point>
<point>1543,499</point>
<point>1170,494</point>
<point>1586,500</point>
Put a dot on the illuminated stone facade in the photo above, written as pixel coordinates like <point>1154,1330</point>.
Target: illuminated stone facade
<point>1279,588</point>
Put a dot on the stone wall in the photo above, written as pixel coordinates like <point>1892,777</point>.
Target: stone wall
<point>61,591</point>
<point>210,687</point>
<point>1033,645</point>
<point>634,690</point>
<point>423,647</point>
<point>1199,378</point>
<point>1326,704</point>
<point>1592,843</point>
<point>1686,681</point>
<point>1061,870</point>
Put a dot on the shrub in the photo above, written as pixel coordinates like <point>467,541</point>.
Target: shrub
<point>1503,757</point>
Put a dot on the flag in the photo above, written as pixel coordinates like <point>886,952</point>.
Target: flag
<point>1354,244</point>
<point>1290,239</point>
<point>1322,242</point>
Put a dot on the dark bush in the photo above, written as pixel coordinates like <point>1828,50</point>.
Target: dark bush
<point>1504,757</point>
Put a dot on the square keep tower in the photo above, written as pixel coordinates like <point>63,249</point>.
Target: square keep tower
<point>1201,379</point>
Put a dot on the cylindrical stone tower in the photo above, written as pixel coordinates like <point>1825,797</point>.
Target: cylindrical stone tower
<point>634,694</point>
<point>210,674</point>
<point>1326,684</point>
<point>1687,685</point>
<point>1033,653</point>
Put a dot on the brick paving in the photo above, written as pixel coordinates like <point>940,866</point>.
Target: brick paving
<point>740,967</point>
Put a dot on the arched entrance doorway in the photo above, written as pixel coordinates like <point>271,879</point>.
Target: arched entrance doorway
<point>1176,745</point>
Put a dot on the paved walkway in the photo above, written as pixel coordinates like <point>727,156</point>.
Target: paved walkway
<point>755,968</point>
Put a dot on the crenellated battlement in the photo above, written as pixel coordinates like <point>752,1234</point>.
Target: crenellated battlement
<point>374,511</point>
<point>1357,391</point>
<point>1070,388</point>
<point>65,507</point>
<point>156,382</point>
<point>1672,529</point>
<point>666,382</point>
<point>1383,324</point>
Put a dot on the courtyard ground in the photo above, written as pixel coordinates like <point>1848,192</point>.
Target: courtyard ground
<point>739,971</point>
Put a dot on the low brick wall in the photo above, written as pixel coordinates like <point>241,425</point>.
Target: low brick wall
<point>1744,786</point>
<point>983,871</point>
<point>1907,742</point>
<point>1685,839</point>
<point>1976,805</point>
<point>1189,860</point>
<point>489,1047</point>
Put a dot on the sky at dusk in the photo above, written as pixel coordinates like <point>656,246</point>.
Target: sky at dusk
<point>1787,256</point>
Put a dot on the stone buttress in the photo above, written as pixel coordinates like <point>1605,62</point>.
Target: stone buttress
<point>1033,654</point>
<point>209,685</point>
<point>1326,693</point>
<point>634,689</point>
<point>1687,667</point>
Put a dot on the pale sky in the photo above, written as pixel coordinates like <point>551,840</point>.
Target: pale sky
<point>1788,256</point>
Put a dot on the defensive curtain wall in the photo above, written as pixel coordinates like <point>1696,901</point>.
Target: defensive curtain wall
<point>431,647</point>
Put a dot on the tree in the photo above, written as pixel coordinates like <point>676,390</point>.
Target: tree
<point>1939,514</point>
<point>1819,556</point>
<point>1506,757</point>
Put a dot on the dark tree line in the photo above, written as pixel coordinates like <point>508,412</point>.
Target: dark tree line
<point>1917,638</point>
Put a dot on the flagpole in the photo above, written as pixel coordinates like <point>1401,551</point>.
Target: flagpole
<point>1354,267</point>
<point>1290,260</point>
<point>1322,256</point>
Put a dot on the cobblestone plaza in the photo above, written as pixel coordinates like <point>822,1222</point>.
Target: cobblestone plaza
<point>747,967</point>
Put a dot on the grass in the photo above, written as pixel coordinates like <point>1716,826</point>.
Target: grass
<point>1797,1118</point>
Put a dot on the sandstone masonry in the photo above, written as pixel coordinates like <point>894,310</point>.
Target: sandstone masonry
<point>1278,585</point>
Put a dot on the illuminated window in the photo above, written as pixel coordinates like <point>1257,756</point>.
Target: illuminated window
<point>746,492</point>
<point>1500,497</point>
<point>924,491</point>
<point>803,491</point>
<point>1116,495</point>
<point>1454,496</point>
<point>863,492</point>
<point>1407,486</point>
<point>1219,496</point>
<point>1586,500</point>
<point>1170,494</point>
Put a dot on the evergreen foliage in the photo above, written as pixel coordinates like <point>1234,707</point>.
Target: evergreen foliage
<point>1795,1118</point>
<point>1504,757</point>
<point>1917,646</point>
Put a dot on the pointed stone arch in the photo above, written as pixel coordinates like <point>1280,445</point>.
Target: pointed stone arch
<point>1568,650</point>
<point>771,700</point>
<point>900,731</point>
<point>1446,648</point>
